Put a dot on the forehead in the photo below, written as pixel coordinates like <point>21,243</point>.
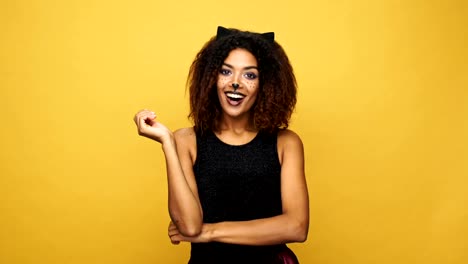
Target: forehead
<point>240,57</point>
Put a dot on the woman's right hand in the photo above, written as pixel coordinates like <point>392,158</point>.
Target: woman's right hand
<point>147,125</point>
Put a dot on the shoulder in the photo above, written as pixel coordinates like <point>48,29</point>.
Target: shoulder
<point>288,137</point>
<point>289,142</point>
<point>183,134</point>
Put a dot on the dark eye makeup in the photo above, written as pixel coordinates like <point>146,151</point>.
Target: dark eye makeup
<point>250,75</point>
<point>225,71</point>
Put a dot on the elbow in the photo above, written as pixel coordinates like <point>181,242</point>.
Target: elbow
<point>190,230</point>
<point>188,226</point>
<point>300,232</point>
<point>302,236</point>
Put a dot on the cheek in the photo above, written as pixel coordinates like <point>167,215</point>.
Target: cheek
<point>222,81</point>
<point>252,85</point>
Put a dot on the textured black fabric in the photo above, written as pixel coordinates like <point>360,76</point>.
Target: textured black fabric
<point>237,183</point>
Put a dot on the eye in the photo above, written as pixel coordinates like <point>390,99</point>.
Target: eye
<point>250,75</point>
<point>225,72</point>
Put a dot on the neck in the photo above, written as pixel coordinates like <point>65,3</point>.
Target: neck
<point>237,125</point>
<point>236,131</point>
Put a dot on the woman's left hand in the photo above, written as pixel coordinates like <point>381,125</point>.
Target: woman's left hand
<point>176,237</point>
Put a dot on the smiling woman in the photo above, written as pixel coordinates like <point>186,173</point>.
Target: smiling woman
<point>236,180</point>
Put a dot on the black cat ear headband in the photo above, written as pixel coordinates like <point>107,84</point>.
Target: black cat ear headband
<point>224,32</point>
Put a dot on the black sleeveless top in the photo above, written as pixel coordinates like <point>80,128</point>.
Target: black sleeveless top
<point>237,183</point>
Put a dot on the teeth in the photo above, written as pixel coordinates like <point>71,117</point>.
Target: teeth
<point>234,95</point>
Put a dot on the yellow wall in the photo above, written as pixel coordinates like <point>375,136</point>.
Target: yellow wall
<point>382,111</point>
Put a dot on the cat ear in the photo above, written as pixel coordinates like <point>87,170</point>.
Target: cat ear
<point>270,36</point>
<point>222,32</point>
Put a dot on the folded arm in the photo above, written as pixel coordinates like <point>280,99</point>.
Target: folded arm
<point>290,226</point>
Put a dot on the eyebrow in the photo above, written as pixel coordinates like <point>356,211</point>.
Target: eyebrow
<point>245,68</point>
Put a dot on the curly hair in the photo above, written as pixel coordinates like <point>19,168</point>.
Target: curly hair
<point>276,98</point>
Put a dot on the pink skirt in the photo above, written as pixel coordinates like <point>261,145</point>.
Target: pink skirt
<point>286,256</point>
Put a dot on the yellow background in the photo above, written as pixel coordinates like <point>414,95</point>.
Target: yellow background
<point>382,111</point>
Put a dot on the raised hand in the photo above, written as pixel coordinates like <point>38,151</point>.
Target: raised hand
<point>147,125</point>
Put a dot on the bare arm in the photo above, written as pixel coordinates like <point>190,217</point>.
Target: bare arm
<point>184,204</point>
<point>291,226</point>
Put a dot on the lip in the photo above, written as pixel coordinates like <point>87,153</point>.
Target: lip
<point>234,102</point>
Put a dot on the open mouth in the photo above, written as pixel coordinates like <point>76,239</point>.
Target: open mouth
<point>234,98</point>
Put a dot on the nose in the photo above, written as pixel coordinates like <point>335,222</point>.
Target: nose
<point>235,84</point>
<point>236,80</point>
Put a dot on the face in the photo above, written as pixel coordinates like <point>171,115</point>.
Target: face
<point>238,70</point>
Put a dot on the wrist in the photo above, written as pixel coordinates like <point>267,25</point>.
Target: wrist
<point>168,141</point>
<point>210,232</point>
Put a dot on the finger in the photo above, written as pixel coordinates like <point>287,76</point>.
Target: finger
<point>150,120</point>
<point>141,124</point>
<point>176,239</point>
<point>148,113</point>
<point>147,118</point>
<point>142,112</point>
<point>144,119</point>
<point>138,115</point>
<point>145,112</point>
<point>171,226</point>
<point>173,232</point>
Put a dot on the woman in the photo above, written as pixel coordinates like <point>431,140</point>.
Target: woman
<point>236,181</point>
